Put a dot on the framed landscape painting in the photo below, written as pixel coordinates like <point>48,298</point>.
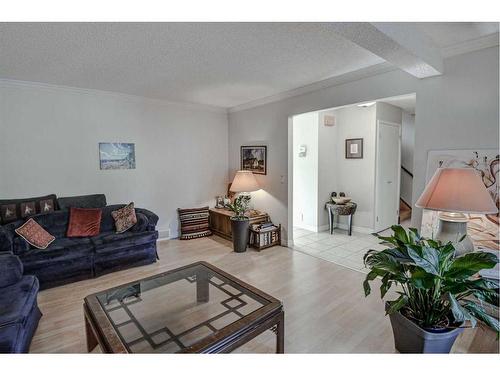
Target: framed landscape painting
<point>117,155</point>
<point>254,158</point>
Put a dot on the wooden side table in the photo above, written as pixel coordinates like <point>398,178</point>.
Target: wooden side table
<point>347,209</point>
<point>220,220</point>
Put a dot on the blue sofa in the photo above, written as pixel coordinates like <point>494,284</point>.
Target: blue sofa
<point>19,312</point>
<point>72,259</point>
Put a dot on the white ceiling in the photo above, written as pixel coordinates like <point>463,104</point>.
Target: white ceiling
<point>219,64</point>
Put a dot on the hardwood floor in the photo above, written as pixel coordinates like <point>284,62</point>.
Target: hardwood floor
<point>325,309</point>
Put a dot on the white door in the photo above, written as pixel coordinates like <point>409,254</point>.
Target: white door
<point>387,174</point>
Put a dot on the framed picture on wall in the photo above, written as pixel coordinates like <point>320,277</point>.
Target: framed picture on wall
<point>117,155</point>
<point>254,158</point>
<point>354,148</point>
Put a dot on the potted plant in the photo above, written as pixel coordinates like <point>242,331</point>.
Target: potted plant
<point>240,223</point>
<point>438,292</point>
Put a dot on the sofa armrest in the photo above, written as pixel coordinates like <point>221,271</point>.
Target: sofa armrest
<point>142,224</point>
<point>151,216</point>
<point>11,270</point>
<point>6,241</point>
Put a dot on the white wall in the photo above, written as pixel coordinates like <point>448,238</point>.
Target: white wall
<point>407,147</point>
<point>454,111</point>
<point>305,171</point>
<point>49,144</point>
<point>356,177</point>
<point>327,166</point>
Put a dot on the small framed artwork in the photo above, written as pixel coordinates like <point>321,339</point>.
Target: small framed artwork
<point>354,148</point>
<point>117,155</point>
<point>254,158</point>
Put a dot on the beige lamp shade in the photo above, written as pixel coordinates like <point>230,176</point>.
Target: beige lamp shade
<point>244,181</point>
<point>457,190</point>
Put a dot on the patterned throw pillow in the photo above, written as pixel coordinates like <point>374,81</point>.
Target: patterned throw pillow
<point>35,235</point>
<point>194,223</point>
<point>124,218</point>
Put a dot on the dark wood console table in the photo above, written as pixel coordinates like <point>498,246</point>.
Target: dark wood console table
<point>220,220</point>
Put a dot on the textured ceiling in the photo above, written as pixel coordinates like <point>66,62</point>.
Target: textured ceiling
<point>446,34</point>
<point>219,64</point>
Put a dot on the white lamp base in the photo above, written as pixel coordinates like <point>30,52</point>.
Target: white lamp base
<point>452,226</point>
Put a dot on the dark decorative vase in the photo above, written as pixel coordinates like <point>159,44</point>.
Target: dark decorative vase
<point>239,228</point>
<point>410,338</point>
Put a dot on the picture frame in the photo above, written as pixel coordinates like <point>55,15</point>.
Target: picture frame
<point>254,158</point>
<point>116,155</point>
<point>354,148</point>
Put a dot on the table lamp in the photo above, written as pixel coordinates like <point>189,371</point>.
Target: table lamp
<point>244,182</point>
<point>456,192</point>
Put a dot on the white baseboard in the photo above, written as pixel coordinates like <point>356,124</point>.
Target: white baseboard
<point>312,228</point>
<point>344,226</point>
<point>354,228</point>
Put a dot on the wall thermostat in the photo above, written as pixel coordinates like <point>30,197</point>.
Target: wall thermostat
<point>302,151</point>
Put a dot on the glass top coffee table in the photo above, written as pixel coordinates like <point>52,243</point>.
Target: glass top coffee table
<point>193,309</point>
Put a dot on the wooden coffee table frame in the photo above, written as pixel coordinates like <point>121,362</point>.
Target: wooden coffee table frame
<point>100,331</point>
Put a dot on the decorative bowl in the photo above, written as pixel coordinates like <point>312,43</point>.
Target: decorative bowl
<point>341,200</point>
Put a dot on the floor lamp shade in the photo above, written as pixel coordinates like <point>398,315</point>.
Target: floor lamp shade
<point>457,190</point>
<point>244,181</point>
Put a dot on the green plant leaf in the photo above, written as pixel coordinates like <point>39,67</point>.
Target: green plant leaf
<point>422,279</point>
<point>428,260</point>
<point>394,306</point>
<point>459,313</point>
<point>366,285</point>
<point>481,315</point>
<point>400,233</point>
<point>469,264</point>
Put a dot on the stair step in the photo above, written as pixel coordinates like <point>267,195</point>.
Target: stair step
<point>404,211</point>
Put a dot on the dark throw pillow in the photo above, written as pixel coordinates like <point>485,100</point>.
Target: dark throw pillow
<point>35,235</point>
<point>194,223</point>
<point>15,209</point>
<point>125,218</point>
<point>84,222</point>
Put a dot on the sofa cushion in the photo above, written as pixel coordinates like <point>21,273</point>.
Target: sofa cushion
<point>56,223</point>
<point>17,300</point>
<point>11,270</point>
<point>84,222</point>
<point>34,234</point>
<point>111,241</point>
<point>125,218</point>
<point>62,249</point>
<point>15,209</point>
<point>82,201</point>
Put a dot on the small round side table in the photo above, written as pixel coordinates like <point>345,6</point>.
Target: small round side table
<point>347,209</point>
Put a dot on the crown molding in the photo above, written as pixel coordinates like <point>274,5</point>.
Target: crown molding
<point>329,82</point>
<point>194,106</point>
<point>487,41</point>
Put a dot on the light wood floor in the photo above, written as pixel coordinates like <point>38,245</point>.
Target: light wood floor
<point>325,309</point>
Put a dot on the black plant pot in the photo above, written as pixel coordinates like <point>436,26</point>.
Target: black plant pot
<point>239,228</point>
<point>410,338</point>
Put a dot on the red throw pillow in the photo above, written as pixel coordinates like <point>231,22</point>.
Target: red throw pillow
<point>35,235</point>
<point>84,222</point>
